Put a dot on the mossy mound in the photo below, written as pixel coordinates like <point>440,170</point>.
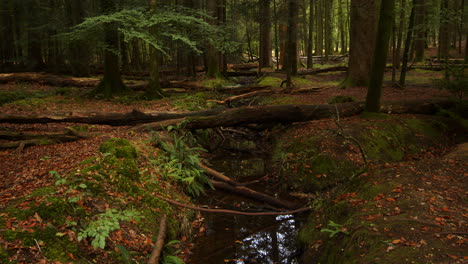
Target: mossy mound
<point>100,195</point>
<point>120,148</point>
<point>315,158</point>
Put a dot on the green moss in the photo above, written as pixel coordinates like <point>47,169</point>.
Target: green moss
<point>307,168</point>
<point>339,99</point>
<point>43,191</point>
<point>120,148</point>
<point>215,83</point>
<point>271,81</point>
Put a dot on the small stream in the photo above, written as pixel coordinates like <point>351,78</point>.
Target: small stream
<point>245,239</point>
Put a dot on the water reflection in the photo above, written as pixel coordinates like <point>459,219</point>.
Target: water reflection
<point>240,239</point>
<point>271,246</point>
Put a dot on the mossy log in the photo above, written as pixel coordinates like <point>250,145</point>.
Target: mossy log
<point>21,140</point>
<point>237,116</point>
<point>329,69</point>
<point>112,119</point>
<point>297,113</point>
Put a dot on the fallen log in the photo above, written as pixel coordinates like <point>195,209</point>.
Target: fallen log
<point>310,90</point>
<point>329,69</point>
<point>244,66</point>
<point>219,175</point>
<point>247,192</point>
<point>237,116</point>
<point>300,113</point>
<point>242,89</point>
<point>21,140</point>
<point>231,99</point>
<point>47,79</point>
<point>112,119</point>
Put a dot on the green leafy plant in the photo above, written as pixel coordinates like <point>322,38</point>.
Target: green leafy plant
<point>334,229</point>
<point>169,252</point>
<point>456,83</point>
<point>180,161</point>
<point>105,223</point>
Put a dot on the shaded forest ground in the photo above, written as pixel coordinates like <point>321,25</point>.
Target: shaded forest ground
<point>23,171</point>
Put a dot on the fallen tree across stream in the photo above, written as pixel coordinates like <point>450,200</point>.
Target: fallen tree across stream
<point>223,117</point>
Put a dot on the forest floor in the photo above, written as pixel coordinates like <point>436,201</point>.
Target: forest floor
<point>23,171</point>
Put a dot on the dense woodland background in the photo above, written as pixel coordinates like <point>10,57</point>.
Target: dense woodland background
<point>78,37</point>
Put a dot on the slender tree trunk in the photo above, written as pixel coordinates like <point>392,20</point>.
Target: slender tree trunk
<point>275,11</point>
<point>265,34</point>
<point>34,59</point>
<point>292,40</point>
<point>310,59</point>
<point>380,56</point>
<point>153,90</point>
<point>319,14</point>
<point>409,36</point>
<point>342,29</point>
<point>328,28</point>
<point>212,55</point>
<point>363,25</point>
<point>400,33</point>
<point>394,55</point>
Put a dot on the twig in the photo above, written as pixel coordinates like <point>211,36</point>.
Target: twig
<point>40,250</point>
<point>226,211</point>
<point>156,254</point>
<point>350,138</point>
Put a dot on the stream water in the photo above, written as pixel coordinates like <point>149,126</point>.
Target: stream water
<point>244,239</point>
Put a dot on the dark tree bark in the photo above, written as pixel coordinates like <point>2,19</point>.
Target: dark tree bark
<point>293,9</point>
<point>363,26</point>
<point>400,33</point>
<point>409,36</point>
<point>34,59</point>
<point>419,26</point>
<point>265,34</point>
<point>112,83</point>
<point>380,56</point>
<point>154,88</point>
<point>310,59</point>
<point>212,55</point>
<point>79,49</point>
<point>328,9</point>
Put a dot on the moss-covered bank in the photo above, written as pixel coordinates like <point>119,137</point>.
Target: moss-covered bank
<point>380,216</point>
<point>105,211</point>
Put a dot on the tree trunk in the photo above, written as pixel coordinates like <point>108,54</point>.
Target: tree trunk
<point>400,33</point>
<point>409,36</point>
<point>212,55</point>
<point>363,26</point>
<point>420,37</point>
<point>265,34</point>
<point>78,49</point>
<point>380,56</point>
<point>273,114</point>
<point>154,88</point>
<point>310,59</point>
<point>112,83</point>
<point>293,9</point>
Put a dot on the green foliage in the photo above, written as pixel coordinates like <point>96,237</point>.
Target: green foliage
<point>180,161</point>
<point>106,222</point>
<point>335,229</point>
<point>22,97</point>
<point>456,84</point>
<point>183,26</point>
<point>120,148</point>
<point>339,99</point>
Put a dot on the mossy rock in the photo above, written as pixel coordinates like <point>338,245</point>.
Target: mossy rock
<point>120,148</point>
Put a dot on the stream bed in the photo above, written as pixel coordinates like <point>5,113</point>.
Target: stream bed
<point>245,239</point>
